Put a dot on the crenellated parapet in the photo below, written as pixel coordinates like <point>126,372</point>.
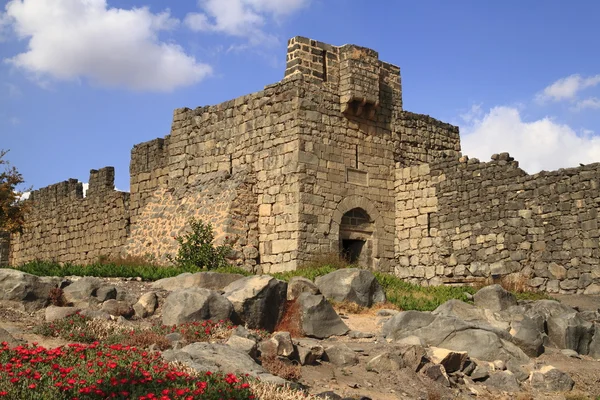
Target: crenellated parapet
<point>68,190</point>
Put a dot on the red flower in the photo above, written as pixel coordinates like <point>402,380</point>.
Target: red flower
<point>32,386</point>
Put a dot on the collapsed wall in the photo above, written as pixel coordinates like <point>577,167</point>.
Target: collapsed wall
<point>460,220</point>
<point>64,226</point>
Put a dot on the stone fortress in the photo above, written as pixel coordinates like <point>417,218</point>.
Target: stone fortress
<point>327,160</point>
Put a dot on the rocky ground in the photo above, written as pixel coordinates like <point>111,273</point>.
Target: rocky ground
<point>494,349</point>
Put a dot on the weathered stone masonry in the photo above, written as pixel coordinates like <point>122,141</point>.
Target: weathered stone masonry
<point>327,160</point>
<point>459,220</point>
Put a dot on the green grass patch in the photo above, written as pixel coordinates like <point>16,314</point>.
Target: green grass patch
<point>116,270</point>
<point>408,296</point>
<point>309,273</point>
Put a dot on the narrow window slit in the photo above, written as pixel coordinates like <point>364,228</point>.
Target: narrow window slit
<point>356,156</point>
<point>230,164</point>
<point>428,224</point>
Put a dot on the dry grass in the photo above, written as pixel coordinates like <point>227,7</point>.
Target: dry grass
<point>261,390</point>
<point>349,307</point>
<point>331,259</point>
<point>283,368</point>
<point>273,392</point>
<point>291,320</point>
<point>516,284</point>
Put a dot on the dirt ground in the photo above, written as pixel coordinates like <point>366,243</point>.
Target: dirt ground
<point>357,381</point>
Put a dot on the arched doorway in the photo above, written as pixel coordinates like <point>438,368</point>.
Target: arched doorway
<point>356,237</point>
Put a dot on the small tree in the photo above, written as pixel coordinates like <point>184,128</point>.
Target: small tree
<point>196,248</point>
<point>11,208</point>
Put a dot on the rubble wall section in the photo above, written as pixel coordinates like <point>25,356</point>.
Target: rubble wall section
<point>63,226</point>
<point>491,220</point>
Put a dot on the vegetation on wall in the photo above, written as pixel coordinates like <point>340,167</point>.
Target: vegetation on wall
<point>196,248</point>
<point>11,208</point>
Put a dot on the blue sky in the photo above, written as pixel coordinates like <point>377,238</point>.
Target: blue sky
<point>81,82</point>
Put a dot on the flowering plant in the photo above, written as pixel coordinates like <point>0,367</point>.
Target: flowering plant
<point>99,371</point>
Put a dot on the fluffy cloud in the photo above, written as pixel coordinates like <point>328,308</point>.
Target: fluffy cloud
<point>242,18</point>
<point>73,39</point>
<point>567,88</point>
<point>538,145</point>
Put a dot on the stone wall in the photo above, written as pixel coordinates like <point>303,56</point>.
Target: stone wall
<point>224,164</point>
<point>284,175</point>
<point>64,226</point>
<point>460,220</point>
<point>274,171</point>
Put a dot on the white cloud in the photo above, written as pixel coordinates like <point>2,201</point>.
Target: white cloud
<point>474,112</point>
<point>73,39</point>
<point>590,102</point>
<point>537,145</point>
<point>242,18</point>
<point>567,88</point>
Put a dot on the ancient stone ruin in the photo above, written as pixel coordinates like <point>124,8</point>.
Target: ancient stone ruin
<point>327,160</point>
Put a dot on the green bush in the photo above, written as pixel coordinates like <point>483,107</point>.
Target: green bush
<point>196,248</point>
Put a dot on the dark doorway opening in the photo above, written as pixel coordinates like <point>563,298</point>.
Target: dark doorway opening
<point>352,248</point>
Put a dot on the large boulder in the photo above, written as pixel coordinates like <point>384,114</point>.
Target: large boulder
<point>503,380</point>
<point>481,341</point>
<point>527,332</point>
<point>280,344</point>
<point>146,305</point>
<point>53,313</point>
<point>258,300</point>
<point>351,284</point>
<point>494,298</point>
<point>82,290</point>
<point>398,357</point>
<point>207,280</point>
<point>10,340</point>
<point>341,355</point>
<point>308,350</point>
<point>298,285</point>
<point>570,331</point>
<point>318,318</point>
<point>25,290</point>
<point>550,379</point>
<point>195,304</point>
<point>547,309</point>
<point>117,308</point>
<point>203,357</point>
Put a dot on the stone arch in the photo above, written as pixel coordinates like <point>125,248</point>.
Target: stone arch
<point>376,223</point>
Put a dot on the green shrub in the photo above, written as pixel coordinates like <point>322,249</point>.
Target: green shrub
<point>196,248</point>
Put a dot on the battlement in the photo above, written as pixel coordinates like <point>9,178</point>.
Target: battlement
<point>70,189</point>
<point>363,81</point>
<point>147,156</point>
